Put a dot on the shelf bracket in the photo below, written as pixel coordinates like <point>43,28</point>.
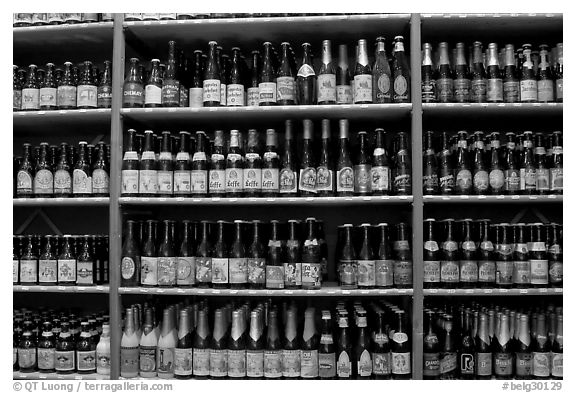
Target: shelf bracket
<point>519,216</point>
<point>541,216</point>
<point>27,222</point>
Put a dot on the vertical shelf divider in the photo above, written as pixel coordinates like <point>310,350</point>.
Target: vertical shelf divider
<point>417,204</point>
<point>115,186</point>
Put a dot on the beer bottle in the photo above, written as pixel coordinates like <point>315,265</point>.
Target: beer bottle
<point>238,263</point>
<point>559,72</point>
<point>402,170</point>
<point>381,75</point>
<point>165,171</point>
<point>217,166</point>
<point>326,351</point>
<point>211,80</point>
<point>528,83</point>
<point>362,355</point>
<point>521,272</point>
<point>545,82</point>
<point>29,263</point>
<point>449,266</point>
<point>129,348</point>
<point>147,171</point>
<point>538,257</point>
<point>195,95</point>
<point>310,346</point>
<point>326,76</point>
<point>153,89</point>
<point>47,263</point>
<point>431,364</point>
<point>192,353</point>
<point>432,255</point>
<point>461,76</point>
<point>182,174</point>
<point>511,172</point>
<point>400,348</point>
<point>48,90</point>
<point>252,173</point>
<point>133,96</point>
<point>448,351</point>
<point>557,164</point>
<point>511,83</point>
<point>25,175</point>
<point>253,91</point>
<point>43,179</point>
<point>463,173</point>
<point>275,255</point>
<point>203,258</point>
<point>46,349</point>
<point>311,270</point>
<point>224,66</point>
<point>523,350</point>
<point>347,262</point>
<point>234,167</point>
<point>557,351</point>
<point>256,259</point>
<point>527,166</point>
<point>199,167</point>
<point>306,78</point>
<point>555,256</point>
<point>100,169</point>
<point>31,90</point>
<point>293,264</point>
<point>87,91</point>
<point>541,351</point>
<point>400,72</point>
<point>478,84</point>
<point>288,164</point>
<point>237,346</point>
<point>66,91</point>
<point>166,346</point>
<point>428,75</point>
<point>307,183</point>
<point>235,92</point>
<point>430,166</point>
<point>343,349</point>
<point>324,172</point>
<point>365,260</point>
<point>496,176</point>
<point>446,165</point>
<point>267,88</point>
<point>285,84</point>
<point>130,166</point>
<point>218,348</point>
<point>130,265</point>
<point>273,348</point>
<point>481,178</point>
<point>104,89</point>
<point>85,351</point>
<point>467,349</point>
<point>542,171</point>
<point>445,80</point>
<point>403,261</point>
<point>167,256</point>
<point>148,347</point>
<point>81,179</point>
<point>483,355</point>
<point>363,167</point>
<point>380,172</point>
<point>16,90</point>
<point>85,264</point>
<point>504,258</point>
<point>255,346</point>
<point>486,264</point>
<point>343,88</point>
<point>345,174</point>
<point>494,91</point>
<point>66,262</point>
<point>270,163</point>
<point>291,348</point>
<point>65,351</point>
<point>185,267</point>
<point>16,251</point>
<point>362,93</point>
<point>149,258</point>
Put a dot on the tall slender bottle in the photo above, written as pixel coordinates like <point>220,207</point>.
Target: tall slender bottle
<point>255,346</point>
<point>199,167</point>
<point>237,347</point>
<point>311,267</point>
<point>400,72</point>
<point>557,350</point>
<point>25,174</point>
<point>528,82</point>
<point>197,345</point>
<point>104,89</point>
<point>293,262</point>
<point>512,170</point>
<point>81,175</point>
<point>253,93</point>
<point>307,184</point>
<point>428,75</point>
<point>149,258</point>
<point>326,76</point>
<point>148,347</point>
<point>463,167</point>
<point>270,165</point>
<point>403,257</point>
<point>165,169</point>
<point>449,265</point>
<point>400,349</point>
<point>545,82</point>
<point>86,89</point>
<point>343,88</point>
<point>148,172</point>
<point>347,262</point>
<point>494,86</point>
<point>310,345</point>
<point>345,173</point>
<point>48,89</point>
<point>217,167</point>
<point>557,164</point>
<point>166,345</point>
<point>430,166</point>
<point>448,350</point>
<point>511,85</point>
<point>167,256</point>
<point>555,256</point>
<point>256,258</point>
<point>288,164</point>
<point>445,79</point>
<point>362,355</point>
<point>481,178</point>
<point>366,260</point>
<point>267,87</point>
<point>431,360</point>
<point>291,349</point>
<point>130,166</point>
<point>273,348</point>
<point>182,182</point>
<point>285,82</point>
<point>461,75</point>
<point>432,255</point>
<point>17,90</point>
<point>133,90</point>
<point>327,350</point>
<point>211,81</point>
<point>153,88</point>
<point>234,166</point>
<point>381,75</point>
<point>504,259</point>
<point>363,166</point>
<point>496,176</point>
<point>129,348</point>
<point>306,79</point>
<point>362,93</point>
<point>252,172</point>
<point>380,172</point>
<point>559,72</point>
<point>446,166</point>
<point>220,260</point>
<point>43,178</point>
<point>324,172</point>
<point>402,172</point>
<point>478,84</point>
<point>219,344</point>
<point>238,263</point>
<point>235,91</point>
<point>275,256</point>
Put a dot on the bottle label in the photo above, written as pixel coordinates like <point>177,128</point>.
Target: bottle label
<point>147,356</point>
<point>400,363</point>
<point>309,363</point>
<point>428,89</point>
<point>538,272</point>
<point>81,183</point>
<point>343,367</point>
<point>256,270</point>
<point>170,92</point>
<point>366,273</point>
<point>362,178</point>
<point>308,180</point>
<point>365,364</point>
<point>100,181</point>
<point>43,182</point>
<point>503,364</point>
<point>382,89</point>
<point>527,179</point>
<point>556,179</point>
<point>504,272</point>
<point>541,364</point>
<point>133,94</point>
<point>48,97</point>
<point>153,95</point>
<point>238,270</point>
<point>47,271</point>
<point>400,88</point>
<point>272,364</point>
<point>149,271</point>
<point>253,96</point>
<point>481,181</point>
<point>557,364</point>
<point>234,179</point>
<point>252,179</point>
<point>288,181</point>
<point>348,272</point>
<point>542,179</point>
<point>560,89</point>
<point>274,277</point>
<point>165,360</point>
<point>431,364</point>
<point>235,95</point>
<point>430,181</point>
<point>236,363</point>
<point>15,264</point>
<point>67,96</point>
<point>31,99</point>
<point>26,357</point>
<point>28,271</point>
<point>445,89</point>
<point>199,180</point>
<point>305,71</point>
<point>65,360</point>
<point>521,273</point>
<point>496,179</point>
<point>468,271</point>
<point>448,362</point>
<point>129,181</point>
<point>219,270</point>
<point>217,183</point>
<point>380,177</point>
<point>46,358</point>
<point>545,90</point>
<point>291,363</point>
<point>556,272</point>
<point>203,269</point>
<point>486,271</point>
<point>462,90</point>
<point>211,90</point>
<point>218,363</point>
<point>363,88</point>
<point>292,274</point>
<point>381,363</point>
<point>326,88</point>
<point>402,272</point>
<point>185,271</point>
<point>402,182</point>
<point>24,183</point>
<point>87,96</point>
<point>66,271</point>
<point>285,88</point>
<point>523,364</point>
<point>449,271</point>
<point>384,272</point>
<point>199,362</point>
<point>255,364</point>
<point>16,99</point>
<point>478,90</point>
<point>343,94</point>
<point>86,361</point>
<point>432,271</point>
<point>148,181</point>
<point>528,90</point>
<point>270,180</point>
<point>165,182</point>
<point>196,97</point>
<point>324,179</point>
<point>511,91</point>
<point>345,180</point>
<point>495,91</point>
<point>167,271</point>
<point>104,96</point>
<point>464,180</point>
<point>182,182</point>
<point>85,272</point>
<point>267,91</point>
<point>327,365</point>
<point>311,275</point>
<point>512,180</point>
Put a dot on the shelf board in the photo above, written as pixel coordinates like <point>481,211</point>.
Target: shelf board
<point>56,376</point>
<point>61,289</point>
<point>467,109</point>
<point>297,201</point>
<point>329,289</point>
<point>250,114</point>
<point>494,292</point>
<point>39,202</point>
<point>472,199</point>
<point>62,122</point>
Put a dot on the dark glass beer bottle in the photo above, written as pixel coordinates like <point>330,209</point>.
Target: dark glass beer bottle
<point>481,179</point>
<point>256,258</point>
<point>100,172</point>
<point>347,262</point>
<point>380,172</point>
<point>199,167</point>
<point>343,88</point>
<point>446,164</point>
<point>25,174</point>
<point>85,351</point>
<point>307,184</point>
<point>512,171</point>
<point>448,350</point>
<point>234,166</point>
<point>253,91</point>
<point>541,351</point>
<point>288,164</point>
<point>211,81</point>
<point>557,164</point>
<point>362,90</point>
<point>557,356</point>
<point>528,83</point>
<point>87,91</point>
<point>523,350</point>
<point>267,88</point>
<point>497,175</point>
<point>170,80</point>
<point>217,167</point>
<point>48,89</point>
<point>400,72</point>
<point>326,93</point>
<point>400,348</point>
<point>363,166</point>
<point>66,262</point>
<point>200,344</point>
<point>521,264</point>
<point>46,349</point>
<point>130,262</point>
<point>238,263</point>
<point>431,360</point>
<point>430,167</point>
<point>555,256</point>
<point>62,175</point>
<point>381,364</point>
<point>324,171</point>
<point>203,258</point>
<point>365,260</point>
<point>47,263</point>
<point>545,82</point>
<point>223,61</point>
<point>85,263</point>
<point>542,170</point>
<point>165,170</point>
<point>486,263</point>
<point>483,356</point>
<point>343,349</point>
<point>270,165</point>
<point>402,171</point>
<point>462,84</point>
<point>403,257</point>
<point>478,85</point>
<point>345,173</point>
<point>327,349</point>
<point>149,258</point>
<point>183,352</point>
<point>381,75</point>
<point>195,95</point>
<point>559,72</point>
<point>468,257</point>
<point>494,86</point>
<point>285,82</point>
<point>31,90</point>
<point>237,346</point>
<point>16,90</point>
<point>432,255</point>
<point>104,90</point>
<point>467,351</point>
<point>511,85</point>
<point>153,88</point>
<point>428,75</point>
<point>444,80</point>
<point>291,349</point>
<point>275,256</point>
<point>309,348</point>
<point>220,257</point>
<point>182,174</point>
<point>147,171</point>
<point>538,257</point>
<point>65,351</point>
<point>81,179</point>
<point>130,166</point>
<point>167,255</point>
<point>311,268</point>
<point>255,346</point>
<point>43,176</point>
<point>185,266</point>
<point>219,345</point>
<point>252,172</point>
<point>293,262</point>
<point>463,173</point>
<point>235,91</point>
<point>362,355</point>
<point>306,78</point>
<point>527,166</point>
<point>504,259</point>
<point>29,263</point>
<point>449,265</point>
<point>133,90</point>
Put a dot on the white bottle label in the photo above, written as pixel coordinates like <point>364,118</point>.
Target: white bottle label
<point>153,95</point>
<point>222,94</point>
<point>211,90</point>
<point>31,99</point>
<point>343,94</point>
<point>149,271</point>
<point>87,96</point>
<point>252,179</point>
<point>100,181</point>
<point>148,180</point>
<point>270,180</point>
<point>199,181</point>
<point>234,179</point>
<point>362,88</point>
<point>81,183</point>
<point>182,182</point>
<point>253,96</point>
<point>528,90</point>
<point>47,271</point>
<point>43,182</point>
<point>196,97</point>
<point>285,88</point>
<point>235,95</point>
<point>267,91</point>
<point>28,271</point>
<point>217,183</point>
<point>326,88</point>
<point>130,181</point>
<point>66,271</point>
<point>165,182</point>
<point>48,96</point>
<point>219,270</point>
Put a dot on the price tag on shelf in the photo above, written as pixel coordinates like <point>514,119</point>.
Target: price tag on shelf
<point>503,290</point>
<point>543,290</point>
<point>523,291</point>
<point>346,292</point>
<point>61,288</point>
<point>251,292</point>
<point>433,290</point>
<point>401,291</point>
<point>451,291</point>
<point>310,292</point>
<point>233,292</point>
<point>81,289</point>
<point>160,290</point>
<point>468,291</point>
<point>288,292</point>
<point>364,292</point>
<point>559,290</point>
<point>488,291</point>
<point>215,292</point>
<point>82,111</point>
<point>181,291</point>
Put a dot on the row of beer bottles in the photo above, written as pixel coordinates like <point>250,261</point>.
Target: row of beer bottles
<point>526,164</point>
<point>80,86</point>
<point>62,260</point>
<point>369,168</point>
<point>43,19</point>
<point>266,340</point>
<point>478,342</point>
<point>524,75</point>
<point>135,17</point>
<point>67,171</point>
<point>61,344</point>
<point>471,253</point>
<point>222,80</point>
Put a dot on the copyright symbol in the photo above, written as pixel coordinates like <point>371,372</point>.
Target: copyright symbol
<point>17,386</point>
